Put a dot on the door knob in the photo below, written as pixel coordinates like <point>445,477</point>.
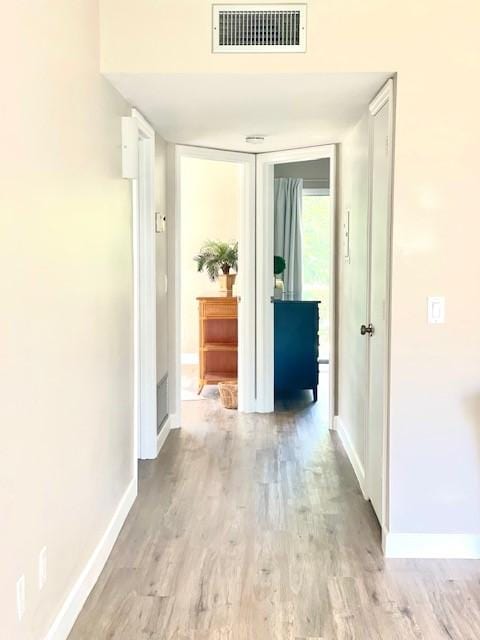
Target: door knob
<point>364,329</point>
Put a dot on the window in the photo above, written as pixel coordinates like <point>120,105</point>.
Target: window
<point>316,258</point>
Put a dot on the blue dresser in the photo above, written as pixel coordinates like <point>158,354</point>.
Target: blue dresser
<point>296,345</point>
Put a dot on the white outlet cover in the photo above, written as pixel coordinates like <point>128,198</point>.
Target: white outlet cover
<point>21,597</point>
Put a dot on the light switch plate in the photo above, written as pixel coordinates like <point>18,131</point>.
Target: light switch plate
<point>436,309</point>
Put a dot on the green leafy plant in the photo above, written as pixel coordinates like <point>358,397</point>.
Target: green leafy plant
<point>279,265</point>
<point>216,256</point>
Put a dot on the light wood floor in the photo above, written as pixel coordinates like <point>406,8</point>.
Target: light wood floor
<point>254,528</point>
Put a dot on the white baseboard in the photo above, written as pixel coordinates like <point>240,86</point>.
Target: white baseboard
<point>432,545</point>
<point>164,431</point>
<point>65,619</point>
<point>189,358</point>
<point>355,461</point>
<point>174,424</point>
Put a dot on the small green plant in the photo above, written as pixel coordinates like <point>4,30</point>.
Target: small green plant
<point>279,265</point>
<point>216,256</point>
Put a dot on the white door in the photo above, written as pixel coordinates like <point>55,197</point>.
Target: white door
<point>138,157</point>
<point>376,330</point>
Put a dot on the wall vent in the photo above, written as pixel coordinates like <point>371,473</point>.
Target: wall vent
<point>257,28</point>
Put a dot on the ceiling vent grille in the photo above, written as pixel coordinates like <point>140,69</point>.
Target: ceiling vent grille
<point>257,28</point>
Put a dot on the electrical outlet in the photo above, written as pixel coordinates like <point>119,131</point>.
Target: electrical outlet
<point>21,597</point>
<point>42,568</point>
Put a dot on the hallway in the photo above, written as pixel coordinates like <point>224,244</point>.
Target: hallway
<point>253,527</point>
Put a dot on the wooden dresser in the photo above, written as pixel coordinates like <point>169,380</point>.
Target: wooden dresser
<point>296,345</point>
<point>218,339</point>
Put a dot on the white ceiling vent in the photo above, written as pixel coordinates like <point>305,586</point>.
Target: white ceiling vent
<point>257,28</point>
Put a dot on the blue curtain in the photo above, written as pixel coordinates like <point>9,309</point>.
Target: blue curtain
<point>288,231</point>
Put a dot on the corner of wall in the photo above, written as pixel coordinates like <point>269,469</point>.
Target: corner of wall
<point>65,619</point>
<point>352,454</point>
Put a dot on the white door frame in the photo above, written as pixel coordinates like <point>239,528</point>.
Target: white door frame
<point>142,162</point>
<point>265,222</point>
<point>386,95</point>
<point>246,281</point>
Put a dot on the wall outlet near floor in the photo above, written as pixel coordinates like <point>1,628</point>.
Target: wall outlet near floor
<point>42,568</point>
<point>21,597</point>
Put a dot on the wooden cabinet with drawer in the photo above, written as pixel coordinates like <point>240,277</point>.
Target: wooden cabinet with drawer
<point>218,339</point>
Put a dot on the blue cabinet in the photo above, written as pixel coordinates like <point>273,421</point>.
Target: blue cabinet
<point>296,345</point>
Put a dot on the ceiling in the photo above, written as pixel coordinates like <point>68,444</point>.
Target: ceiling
<point>219,110</point>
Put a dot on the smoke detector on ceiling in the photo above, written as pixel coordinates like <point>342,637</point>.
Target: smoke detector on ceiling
<point>259,28</point>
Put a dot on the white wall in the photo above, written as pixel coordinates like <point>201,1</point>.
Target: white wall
<point>65,306</point>
<point>211,198</point>
<point>352,282</point>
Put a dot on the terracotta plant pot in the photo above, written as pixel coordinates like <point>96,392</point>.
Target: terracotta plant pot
<point>226,282</point>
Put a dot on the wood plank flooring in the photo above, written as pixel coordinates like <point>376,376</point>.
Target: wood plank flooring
<point>253,528</point>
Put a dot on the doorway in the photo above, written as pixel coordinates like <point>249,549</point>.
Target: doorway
<point>308,275</point>
<point>315,222</point>
<point>212,357</point>
<point>211,199</point>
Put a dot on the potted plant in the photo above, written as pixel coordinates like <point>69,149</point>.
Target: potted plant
<point>217,258</point>
<point>279,266</point>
